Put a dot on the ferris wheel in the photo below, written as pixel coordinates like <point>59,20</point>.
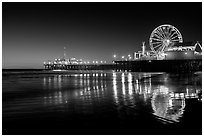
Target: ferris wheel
<point>164,37</point>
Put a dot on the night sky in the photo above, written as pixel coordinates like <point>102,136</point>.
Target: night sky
<point>37,32</point>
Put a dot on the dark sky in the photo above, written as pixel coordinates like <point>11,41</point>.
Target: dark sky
<point>35,32</point>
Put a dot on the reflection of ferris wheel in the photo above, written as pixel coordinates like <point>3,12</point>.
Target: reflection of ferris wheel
<point>163,37</point>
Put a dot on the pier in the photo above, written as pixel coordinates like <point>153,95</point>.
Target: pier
<point>80,67</point>
<point>168,54</point>
<point>160,65</point>
<point>137,66</point>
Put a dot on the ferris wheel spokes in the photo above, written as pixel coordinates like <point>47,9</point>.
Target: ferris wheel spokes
<point>168,31</point>
<point>156,42</point>
<point>157,45</point>
<point>163,37</point>
<point>173,34</point>
<point>156,39</point>
<point>159,33</point>
<point>158,36</point>
<point>163,33</point>
<point>173,37</point>
<point>159,49</point>
<point>175,40</point>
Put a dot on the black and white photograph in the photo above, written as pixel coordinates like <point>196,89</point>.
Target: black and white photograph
<point>101,68</point>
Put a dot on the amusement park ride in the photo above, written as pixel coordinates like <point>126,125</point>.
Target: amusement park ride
<point>166,42</point>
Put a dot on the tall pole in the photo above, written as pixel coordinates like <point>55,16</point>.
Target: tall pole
<point>64,53</point>
<point>143,48</point>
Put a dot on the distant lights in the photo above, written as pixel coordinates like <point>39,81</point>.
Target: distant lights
<point>64,62</point>
<point>129,56</point>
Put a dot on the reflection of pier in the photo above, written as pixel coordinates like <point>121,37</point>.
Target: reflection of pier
<point>71,88</point>
<point>167,105</point>
<point>82,90</point>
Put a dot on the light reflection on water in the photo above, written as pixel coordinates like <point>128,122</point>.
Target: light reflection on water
<point>97,92</point>
<point>81,87</point>
<point>166,100</point>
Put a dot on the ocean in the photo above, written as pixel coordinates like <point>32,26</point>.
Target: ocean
<point>37,102</point>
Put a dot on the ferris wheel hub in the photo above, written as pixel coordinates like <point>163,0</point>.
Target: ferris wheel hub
<point>166,42</point>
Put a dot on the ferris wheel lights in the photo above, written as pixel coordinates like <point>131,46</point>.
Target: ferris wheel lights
<point>163,37</point>
<point>168,41</point>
